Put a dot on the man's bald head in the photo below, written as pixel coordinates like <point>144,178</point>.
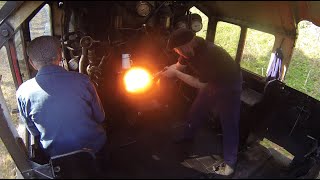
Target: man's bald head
<point>44,50</point>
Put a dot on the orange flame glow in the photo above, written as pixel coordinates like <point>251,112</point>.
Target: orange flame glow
<point>137,80</point>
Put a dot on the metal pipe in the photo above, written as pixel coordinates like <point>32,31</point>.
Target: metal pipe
<point>92,57</point>
<point>83,60</point>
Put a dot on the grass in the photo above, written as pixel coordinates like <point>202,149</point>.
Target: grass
<point>230,42</point>
<point>257,51</point>
<point>306,60</point>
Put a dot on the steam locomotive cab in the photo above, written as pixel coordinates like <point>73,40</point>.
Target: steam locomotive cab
<point>122,47</point>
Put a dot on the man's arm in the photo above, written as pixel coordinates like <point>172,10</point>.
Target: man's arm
<point>27,121</point>
<point>190,80</point>
<point>171,71</point>
<point>178,66</point>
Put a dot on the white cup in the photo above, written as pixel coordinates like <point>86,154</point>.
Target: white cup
<point>126,62</point>
<point>73,64</point>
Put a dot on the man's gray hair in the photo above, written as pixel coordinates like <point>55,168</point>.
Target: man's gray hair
<point>44,50</point>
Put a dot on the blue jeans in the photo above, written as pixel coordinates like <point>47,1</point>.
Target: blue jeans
<point>226,101</point>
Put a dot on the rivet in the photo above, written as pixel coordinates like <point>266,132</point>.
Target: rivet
<point>56,169</point>
<point>5,33</point>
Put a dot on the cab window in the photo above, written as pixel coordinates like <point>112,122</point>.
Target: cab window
<point>40,24</point>
<point>257,51</point>
<point>304,69</point>
<point>227,36</point>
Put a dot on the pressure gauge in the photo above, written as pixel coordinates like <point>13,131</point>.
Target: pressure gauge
<point>196,25</point>
<point>181,24</point>
<point>143,8</point>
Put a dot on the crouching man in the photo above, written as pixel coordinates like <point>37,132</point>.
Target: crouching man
<point>218,78</point>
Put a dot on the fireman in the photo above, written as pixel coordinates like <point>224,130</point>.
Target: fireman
<point>218,79</point>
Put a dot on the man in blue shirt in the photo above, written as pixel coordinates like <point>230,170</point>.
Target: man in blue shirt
<point>62,108</point>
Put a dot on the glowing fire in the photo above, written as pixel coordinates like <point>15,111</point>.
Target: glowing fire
<point>137,80</point>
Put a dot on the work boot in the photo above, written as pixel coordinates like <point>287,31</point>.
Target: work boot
<point>223,170</point>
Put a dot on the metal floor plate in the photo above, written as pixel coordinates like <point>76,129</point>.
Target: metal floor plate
<point>148,151</point>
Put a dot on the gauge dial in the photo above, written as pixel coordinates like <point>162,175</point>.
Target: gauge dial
<point>196,25</point>
<point>181,24</point>
<point>143,8</point>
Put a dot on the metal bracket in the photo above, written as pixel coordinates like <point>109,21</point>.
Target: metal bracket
<point>39,171</point>
<point>6,31</point>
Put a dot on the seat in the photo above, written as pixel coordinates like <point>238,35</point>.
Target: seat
<point>75,165</point>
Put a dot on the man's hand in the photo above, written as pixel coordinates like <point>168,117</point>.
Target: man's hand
<point>173,66</point>
<point>170,71</point>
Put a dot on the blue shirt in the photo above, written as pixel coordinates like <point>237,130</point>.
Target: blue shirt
<point>64,109</point>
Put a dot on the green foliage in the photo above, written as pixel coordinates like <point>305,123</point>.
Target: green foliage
<point>257,51</point>
<point>227,36</point>
<point>304,70</point>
